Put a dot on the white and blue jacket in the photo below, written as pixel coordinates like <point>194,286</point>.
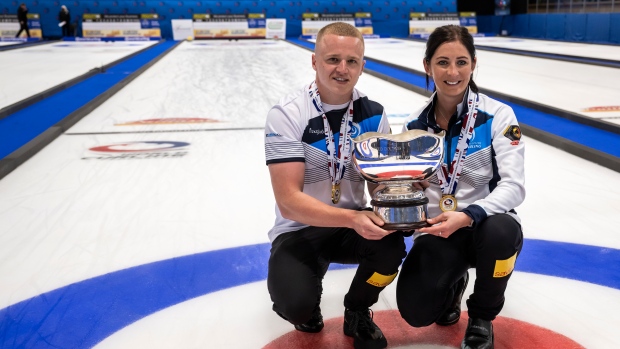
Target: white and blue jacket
<point>492,180</point>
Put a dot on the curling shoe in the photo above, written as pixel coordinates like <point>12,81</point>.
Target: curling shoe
<point>452,315</point>
<point>315,324</point>
<point>478,335</point>
<point>366,334</point>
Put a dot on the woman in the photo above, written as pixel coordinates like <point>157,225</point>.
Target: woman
<point>472,198</point>
<point>64,20</point>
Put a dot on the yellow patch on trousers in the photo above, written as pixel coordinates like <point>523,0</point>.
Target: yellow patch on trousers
<point>380,280</point>
<point>504,267</point>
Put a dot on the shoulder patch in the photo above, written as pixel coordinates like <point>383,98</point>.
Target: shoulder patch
<point>513,132</point>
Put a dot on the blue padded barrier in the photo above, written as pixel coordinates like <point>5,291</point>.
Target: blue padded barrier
<point>522,25</point>
<point>391,16</point>
<point>538,26</point>
<point>597,27</point>
<point>488,23</point>
<point>556,26</point>
<point>500,23</point>
<point>396,28</point>
<point>576,27</point>
<point>614,28</point>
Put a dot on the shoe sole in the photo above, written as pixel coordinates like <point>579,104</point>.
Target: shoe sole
<point>307,330</point>
<point>358,344</point>
<point>449,323</point>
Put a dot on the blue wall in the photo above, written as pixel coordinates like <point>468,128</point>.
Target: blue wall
<point>601,28</point>
<point>390,17</point>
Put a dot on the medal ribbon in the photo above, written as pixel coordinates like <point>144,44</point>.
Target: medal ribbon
<point>336,160</point>
<point>448,187</point>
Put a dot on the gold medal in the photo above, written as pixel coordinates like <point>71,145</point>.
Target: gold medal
<point>447,203</point>
<point>335,193</point>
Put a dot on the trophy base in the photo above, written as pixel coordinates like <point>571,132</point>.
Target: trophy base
<point>401,214</point>
<point>405,226</point>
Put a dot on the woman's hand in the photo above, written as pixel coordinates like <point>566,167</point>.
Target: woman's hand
<point>421,185</point>
<point>446,223</point>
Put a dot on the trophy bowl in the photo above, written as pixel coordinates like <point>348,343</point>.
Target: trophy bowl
<point>397,161</point>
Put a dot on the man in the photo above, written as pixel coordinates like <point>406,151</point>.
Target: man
<point>320,197</point>
<point>22,18</point>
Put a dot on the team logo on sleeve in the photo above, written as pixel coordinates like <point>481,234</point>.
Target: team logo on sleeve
<point>513,132</point>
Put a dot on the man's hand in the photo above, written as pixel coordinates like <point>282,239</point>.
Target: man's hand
<point>368,225</point>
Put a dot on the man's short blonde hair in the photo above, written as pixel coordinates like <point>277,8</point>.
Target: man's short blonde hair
<point>339,29</point>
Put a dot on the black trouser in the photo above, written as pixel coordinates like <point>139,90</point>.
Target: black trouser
<point>427,280</point>
<point>23,27</point>
<point>66,30</point>
<point>300,259</point>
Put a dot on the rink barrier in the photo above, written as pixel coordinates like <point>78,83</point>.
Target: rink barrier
<point>78,114</point>
<point>606,160</point>
<point>590,27</point>
<point>30,148</point>
<point>609,63</point>
<point>554,56</point>
<point>593,122</point>
<point>25,44</point>
<point>24,103</point>
<point>599,140</point>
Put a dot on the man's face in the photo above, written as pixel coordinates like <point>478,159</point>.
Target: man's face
<point>338,62</point>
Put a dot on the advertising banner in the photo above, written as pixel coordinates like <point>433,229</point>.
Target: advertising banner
<point>422,24</point>
<point>313,22</point>
<point>9,26</point>
<point>468,20</point>
<point>209,26</point>
<point>137,26</point>
<point>276,28</point>
<point>182,29</point>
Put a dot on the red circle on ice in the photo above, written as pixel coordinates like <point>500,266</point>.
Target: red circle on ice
<point>509,334</point>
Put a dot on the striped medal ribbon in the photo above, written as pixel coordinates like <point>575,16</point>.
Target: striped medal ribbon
<point>449,176</point>
<point>337,160</point>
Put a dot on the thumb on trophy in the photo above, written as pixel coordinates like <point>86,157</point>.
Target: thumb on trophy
<point>436,220</point>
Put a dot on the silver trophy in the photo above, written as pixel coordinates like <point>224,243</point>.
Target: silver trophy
<point>397,161</point>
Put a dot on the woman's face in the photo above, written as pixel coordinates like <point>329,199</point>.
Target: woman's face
<point>450,68</point>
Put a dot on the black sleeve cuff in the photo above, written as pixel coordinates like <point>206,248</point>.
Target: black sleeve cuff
<point>476,213</point>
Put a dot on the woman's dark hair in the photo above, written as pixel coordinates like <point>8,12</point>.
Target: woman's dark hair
<point>450,33</point>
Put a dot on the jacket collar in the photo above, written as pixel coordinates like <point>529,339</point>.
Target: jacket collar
<point>427,116</point>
